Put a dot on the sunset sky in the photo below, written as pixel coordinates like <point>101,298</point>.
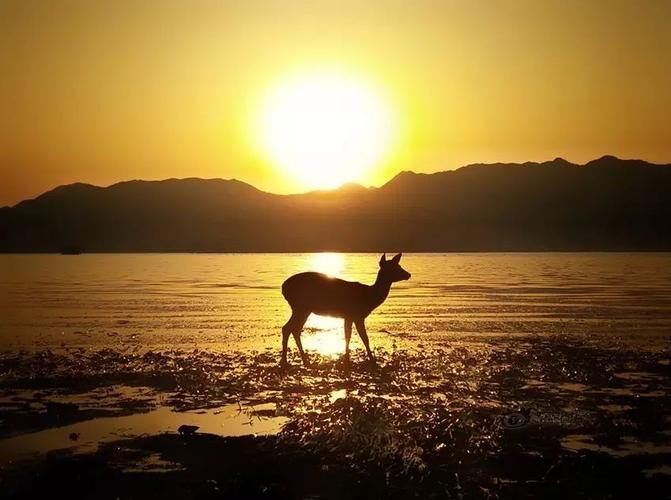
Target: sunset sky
<point>102,91</point>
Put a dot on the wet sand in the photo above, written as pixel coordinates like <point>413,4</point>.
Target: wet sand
<point>482,417</point>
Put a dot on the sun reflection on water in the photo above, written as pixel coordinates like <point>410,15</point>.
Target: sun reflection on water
<point>331,263</point>
<point>325,334</point>
<point>329,342</point>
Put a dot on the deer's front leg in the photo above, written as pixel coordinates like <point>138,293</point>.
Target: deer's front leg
<point>361,328</point>
<point>348,337</point>
<point>299,344</point>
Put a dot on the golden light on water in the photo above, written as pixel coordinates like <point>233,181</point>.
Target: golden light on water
<point>326,341</point>
<point>324,334</point>
<point>330,263</point>
<point>324,128</point>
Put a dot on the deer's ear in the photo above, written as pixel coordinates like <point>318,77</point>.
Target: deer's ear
<point>383,259</point>
<point>397,258</point>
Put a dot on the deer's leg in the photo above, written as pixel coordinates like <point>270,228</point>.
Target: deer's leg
<point>299,344</point>
<point>348,337</point>
<point>361,328</point>
<point>296,330</point>
<point>286,331</point>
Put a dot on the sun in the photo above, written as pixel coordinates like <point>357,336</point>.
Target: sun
<point>324,129</point>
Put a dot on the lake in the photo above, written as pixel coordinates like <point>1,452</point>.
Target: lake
<point>233,301</point>
<point>509,373</point>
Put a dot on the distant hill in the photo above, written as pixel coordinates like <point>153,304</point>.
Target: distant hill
<point>606,204</point>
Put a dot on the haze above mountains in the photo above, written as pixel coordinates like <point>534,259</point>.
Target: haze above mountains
<point>606,204</point>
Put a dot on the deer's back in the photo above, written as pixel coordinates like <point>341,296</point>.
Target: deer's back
<point>322,294</point>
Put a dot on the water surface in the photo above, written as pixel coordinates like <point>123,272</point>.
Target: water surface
<point>233,301</point>
<point>509,373</point>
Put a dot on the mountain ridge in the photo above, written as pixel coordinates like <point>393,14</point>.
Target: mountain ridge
<point>349,185</point>
<point>605,204</point>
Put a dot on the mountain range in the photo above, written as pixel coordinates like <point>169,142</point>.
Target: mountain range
<point>605,204</point>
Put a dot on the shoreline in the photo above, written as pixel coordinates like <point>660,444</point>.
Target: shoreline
<point>504,416</point>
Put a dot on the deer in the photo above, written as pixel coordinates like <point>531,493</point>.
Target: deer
<point>317,293</point>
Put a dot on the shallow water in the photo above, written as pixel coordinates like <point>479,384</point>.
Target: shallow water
<point>560,362</point>
<point>234,300</point>
<point>86,436</point>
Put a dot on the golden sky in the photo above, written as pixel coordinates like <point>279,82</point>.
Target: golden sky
<point>108,90</point>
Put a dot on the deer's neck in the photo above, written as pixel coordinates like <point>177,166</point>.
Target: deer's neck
<point>380,290</point>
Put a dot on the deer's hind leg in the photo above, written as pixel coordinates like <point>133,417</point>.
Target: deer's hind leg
<point>286,331</point>
<point>297,328</point>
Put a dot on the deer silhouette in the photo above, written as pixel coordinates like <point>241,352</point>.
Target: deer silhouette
<point>317,293</point>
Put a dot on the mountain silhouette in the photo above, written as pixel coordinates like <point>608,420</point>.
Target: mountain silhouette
<point>606,204</point>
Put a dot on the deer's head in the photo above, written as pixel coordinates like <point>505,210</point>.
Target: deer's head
<point>391,270</point>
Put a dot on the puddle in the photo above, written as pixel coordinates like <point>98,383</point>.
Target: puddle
<point>337,394</point>
<point>664,470</point>
<point>150,463</point>
<point>533,384</point>
<point>111,397</point>
<point>613,408</point>
<point>625,391</point>
<point>85,437</point>
<point>638,376</point>
<point>573,387</point>
<point>627,447</point>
